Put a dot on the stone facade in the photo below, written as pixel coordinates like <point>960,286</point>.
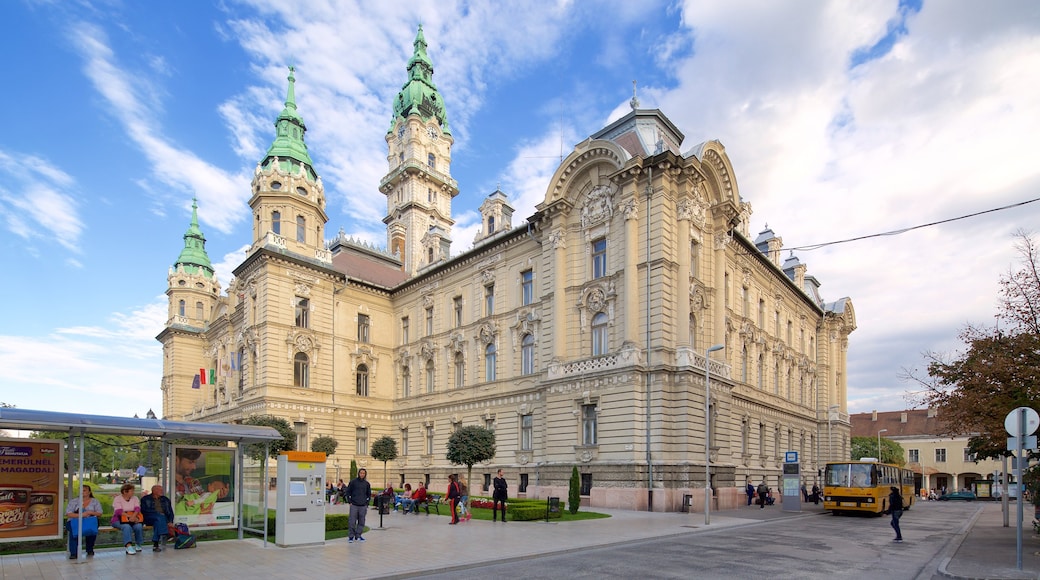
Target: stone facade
<point>578,336</point>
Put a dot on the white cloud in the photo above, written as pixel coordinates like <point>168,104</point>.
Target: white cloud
<point>38,201</point>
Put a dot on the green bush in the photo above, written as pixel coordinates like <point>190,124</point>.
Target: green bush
<point>335,522</point>
<point>532,509</point>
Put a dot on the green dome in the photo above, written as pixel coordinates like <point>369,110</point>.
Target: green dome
<point>419,95</point>
<point>193,257</point>
<point>288,142</point>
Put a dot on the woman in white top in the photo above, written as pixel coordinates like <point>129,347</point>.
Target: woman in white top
<point>127,516</point>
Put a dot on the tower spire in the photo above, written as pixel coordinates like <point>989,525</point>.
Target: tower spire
<point>193,257</point>
<point>289,138</point>
<point>419,95</point>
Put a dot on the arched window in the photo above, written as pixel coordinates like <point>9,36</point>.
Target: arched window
<point>240,365</point>
<point>406,382</point>
<point>180,308</point>
<point>599,334</point>
<point>301,371</point>
<point>761,371</point>
<point>301,229</point>
<point>429,376</point>
<point>276,222</point>
<point>489,362</point>
<point>362,381</point>
<point>527,355</point>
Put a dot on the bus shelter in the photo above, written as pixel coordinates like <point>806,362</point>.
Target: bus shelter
<point>213,487</point>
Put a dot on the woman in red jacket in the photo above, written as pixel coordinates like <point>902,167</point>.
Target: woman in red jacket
<point>454,493</point>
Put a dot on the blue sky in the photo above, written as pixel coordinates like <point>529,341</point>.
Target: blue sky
<point>841,119</point>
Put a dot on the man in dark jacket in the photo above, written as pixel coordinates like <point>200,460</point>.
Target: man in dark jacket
<point>763,493</point>
<point>499,496</point>
<point>158,513</point>
<point>895,507</point>
<point>358,494</point>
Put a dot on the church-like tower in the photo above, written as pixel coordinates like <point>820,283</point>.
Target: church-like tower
<point>418,186</point>
<point>288,200</point>
<point>193,292</point>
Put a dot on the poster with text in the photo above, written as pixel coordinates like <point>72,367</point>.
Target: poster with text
<point>204,487</point>
<point>31,498</point>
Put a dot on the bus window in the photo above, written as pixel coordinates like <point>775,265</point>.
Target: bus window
<point>861,475</point>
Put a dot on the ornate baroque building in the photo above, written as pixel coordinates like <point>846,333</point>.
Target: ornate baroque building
<point>579,335</point>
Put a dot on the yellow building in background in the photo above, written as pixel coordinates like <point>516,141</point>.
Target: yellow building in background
<point>578,334</point>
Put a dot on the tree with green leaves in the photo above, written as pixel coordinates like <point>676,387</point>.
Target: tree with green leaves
<point>891,452</point>
<point>324,444</point>
<point>574,492</point>
<point>999,369</point>
<point>470,445</point>
<point>353,469</point>
<point>384,449</point>
<point>286,443</point>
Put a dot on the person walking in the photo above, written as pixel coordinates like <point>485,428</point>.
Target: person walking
<point>763,493</point>
<point>499,496</point>
<point>895,508</point>
<point>749,489</point>
<point>358,494</point>
<point>454,494</point>
<point>816,494</point>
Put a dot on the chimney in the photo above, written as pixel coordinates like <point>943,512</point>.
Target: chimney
<point>873,415</point>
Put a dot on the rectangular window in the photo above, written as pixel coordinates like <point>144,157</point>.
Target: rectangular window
<point>969,457</point>
<point>526,432</point>
<point>745,302</point>
<point>527,287</point>
<point>489,424</point>
<point>429,321</point>
<point>303,312</point>
<point>404,442</point>
<point>404,330</point>
<point>914,455</point>
<point>586,484</point>
<point>457,308</point>
<point>762,313</point>
<point>301,436</point>
<point>429,439</point>
<point>361,434</point>
<point>301,229</point>
<point>522,486</point>
<point>489,300</point>
<point>599,258</point>
<point>487,481</point>
<point>362,328</point>
<point>940,456</point>
<point>588,424</point>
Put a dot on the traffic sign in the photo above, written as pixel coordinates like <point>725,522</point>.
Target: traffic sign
<point>1028,443</point>
<point>1013,421</point>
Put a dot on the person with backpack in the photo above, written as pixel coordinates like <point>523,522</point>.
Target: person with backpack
<point>763,494</point>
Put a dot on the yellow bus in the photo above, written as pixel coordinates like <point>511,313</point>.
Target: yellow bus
<point>863,486</point>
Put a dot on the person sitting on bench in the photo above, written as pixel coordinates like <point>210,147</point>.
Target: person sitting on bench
<point>419,496</point>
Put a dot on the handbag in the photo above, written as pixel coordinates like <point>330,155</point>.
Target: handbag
<point>90,526</point>
<point>130,517</point>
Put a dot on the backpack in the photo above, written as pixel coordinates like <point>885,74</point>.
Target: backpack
<point>184,541</point>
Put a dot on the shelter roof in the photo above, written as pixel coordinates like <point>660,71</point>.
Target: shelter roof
<point>75,423</point>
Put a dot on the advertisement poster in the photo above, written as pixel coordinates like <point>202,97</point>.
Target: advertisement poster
<point>31,498</point>
<point>204,487</point>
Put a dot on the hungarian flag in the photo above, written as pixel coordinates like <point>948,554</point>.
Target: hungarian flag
<point>195,382</point>
<point>202,373</point>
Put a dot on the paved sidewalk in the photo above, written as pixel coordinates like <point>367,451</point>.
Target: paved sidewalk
<point>988,550</point>
<point>424,544</point>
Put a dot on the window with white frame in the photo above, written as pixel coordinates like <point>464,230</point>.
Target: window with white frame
<point>599,258</point>
<point>301,229</point>
<point>361,434</point>
<point>406,382</point>
<point>301,371</point>
<point>303,308</point>
<point>940,456</point>
<point>363,328</point>
<point>527,355</point>
<point>526,432</point>
<point>913,455</point>
<point>599,334</point>
<point>429,376</point>
<point>429,321</point>
<point>404,330</point>
<point>429,439</point>
<point>490,357</point>
<point>489,300</point>
<point>588,424</point>
<point>457,308</point>
<point>527,287</point>
<point>362,381</point>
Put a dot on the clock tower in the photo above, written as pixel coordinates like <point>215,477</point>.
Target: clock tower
<point>418,186</point>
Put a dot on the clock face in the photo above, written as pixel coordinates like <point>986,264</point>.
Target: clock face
<point>431,132</point>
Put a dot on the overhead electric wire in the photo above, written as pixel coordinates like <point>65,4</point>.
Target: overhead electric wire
<point>904,230</point>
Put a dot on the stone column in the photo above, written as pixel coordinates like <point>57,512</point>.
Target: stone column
<point>559,244</point>
<point>685,215</point>
<point>632,287</point>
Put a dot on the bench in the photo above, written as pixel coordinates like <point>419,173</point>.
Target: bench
<point>430,501</point>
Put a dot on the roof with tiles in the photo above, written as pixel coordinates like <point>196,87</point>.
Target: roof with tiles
<point>911,423</point>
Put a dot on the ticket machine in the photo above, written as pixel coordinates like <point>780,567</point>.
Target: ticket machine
<point>300,515</point>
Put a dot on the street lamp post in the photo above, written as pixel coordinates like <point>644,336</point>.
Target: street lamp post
<point>880,431</point>
<point>150,415</point>
<point>707,431</point>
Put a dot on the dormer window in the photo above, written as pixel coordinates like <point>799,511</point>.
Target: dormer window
<point>491,225</point>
